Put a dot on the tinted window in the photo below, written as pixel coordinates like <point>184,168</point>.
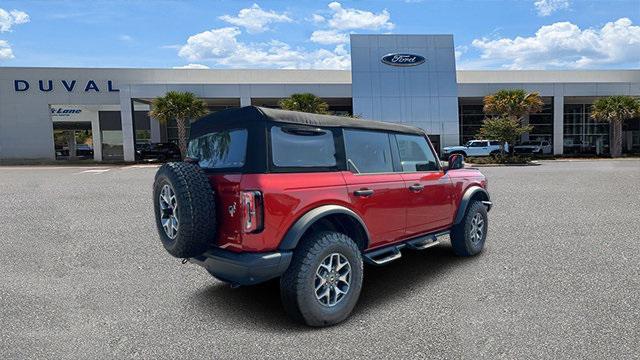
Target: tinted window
<point>301,147</point>
<point>495,143</point>
<point>478,144</point>
<point>368,151</point>
<point>218,150</point>
<point>415,154</point>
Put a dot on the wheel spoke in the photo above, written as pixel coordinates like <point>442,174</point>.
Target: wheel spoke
<point>333,279</point>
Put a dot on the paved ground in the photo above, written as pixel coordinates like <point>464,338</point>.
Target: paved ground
<point>82,275</point>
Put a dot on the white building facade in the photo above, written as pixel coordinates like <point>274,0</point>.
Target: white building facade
<point>408,79</point>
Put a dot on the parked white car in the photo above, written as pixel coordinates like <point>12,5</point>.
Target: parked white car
<point>475,148</point>
<point>538,147</point>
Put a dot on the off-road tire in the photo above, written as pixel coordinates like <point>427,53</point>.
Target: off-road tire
<point>460,234</point>
<point>195,208</point>
<point>297,288</point>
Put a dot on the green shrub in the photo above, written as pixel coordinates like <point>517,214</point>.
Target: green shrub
<point>500,159</point>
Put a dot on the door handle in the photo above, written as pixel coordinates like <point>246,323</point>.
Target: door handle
<point>416,187</point>
<point>363,192</point>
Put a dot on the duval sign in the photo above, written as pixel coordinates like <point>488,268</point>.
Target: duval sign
<point>66,85</point>
<point>398,59</point>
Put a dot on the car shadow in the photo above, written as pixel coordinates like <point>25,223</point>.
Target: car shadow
<point>259,306</point>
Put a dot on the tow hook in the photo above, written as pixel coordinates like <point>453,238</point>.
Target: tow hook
<point>185,260</point>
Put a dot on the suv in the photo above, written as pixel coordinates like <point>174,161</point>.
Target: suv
<point>308,198</point>
<point>539,147</point>
<point>157,151</point>
<point>476,148</point>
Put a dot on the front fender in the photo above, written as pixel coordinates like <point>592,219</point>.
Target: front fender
<point>469,194</point>
<point>294,234</point>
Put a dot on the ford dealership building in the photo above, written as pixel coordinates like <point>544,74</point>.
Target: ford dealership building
<point>410,79</point>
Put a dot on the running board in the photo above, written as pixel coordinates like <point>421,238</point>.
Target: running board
<point>387,254</point>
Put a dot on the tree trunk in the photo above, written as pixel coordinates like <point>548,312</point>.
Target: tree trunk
<point>182,136</point>
<point>616,138</point>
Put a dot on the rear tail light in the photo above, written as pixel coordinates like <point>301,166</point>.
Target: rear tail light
<point>252,211</point>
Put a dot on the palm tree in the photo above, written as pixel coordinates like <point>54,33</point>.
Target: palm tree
<point>616,110</point>
<point>508,107</point>
<point>181,106</point>
<point>304,102</point>
<point>513,103</point>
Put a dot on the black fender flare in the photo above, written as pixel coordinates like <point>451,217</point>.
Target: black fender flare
<point>295,232</point>
<point>466,199</point>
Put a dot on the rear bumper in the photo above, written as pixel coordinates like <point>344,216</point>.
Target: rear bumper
<point>244,268</point>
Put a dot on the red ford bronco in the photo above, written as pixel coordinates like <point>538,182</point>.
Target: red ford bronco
<point>308,198</point>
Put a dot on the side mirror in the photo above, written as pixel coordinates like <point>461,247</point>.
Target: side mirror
<point>456,161</point>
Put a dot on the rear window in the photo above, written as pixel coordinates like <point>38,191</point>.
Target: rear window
<point>220,150</point>
<point>302,147</point>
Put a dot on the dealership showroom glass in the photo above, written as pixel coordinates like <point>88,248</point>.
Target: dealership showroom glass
<point>410,79</point>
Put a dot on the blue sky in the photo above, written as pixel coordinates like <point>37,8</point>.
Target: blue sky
<point>518,34</point>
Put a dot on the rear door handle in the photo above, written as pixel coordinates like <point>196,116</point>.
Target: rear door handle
<point>416,187</point>
<point>363,192</point>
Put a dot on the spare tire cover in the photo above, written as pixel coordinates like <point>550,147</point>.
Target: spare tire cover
<point>184,207</point>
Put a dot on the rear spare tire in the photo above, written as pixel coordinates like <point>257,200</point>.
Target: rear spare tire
<point>184,207</point>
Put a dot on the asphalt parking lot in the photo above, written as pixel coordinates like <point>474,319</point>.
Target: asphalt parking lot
<point>83,275</point>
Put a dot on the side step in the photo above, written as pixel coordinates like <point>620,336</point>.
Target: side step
<point>387,254</point>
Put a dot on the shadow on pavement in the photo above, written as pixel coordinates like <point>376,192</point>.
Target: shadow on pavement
<point>260,306</point>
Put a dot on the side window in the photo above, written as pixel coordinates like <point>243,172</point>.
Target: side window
<point>495,143</point>
<point>368,151</point>
<point>415,154</point>
<point>219,150</point>
<point>302,147</point>
<point>477,144</point>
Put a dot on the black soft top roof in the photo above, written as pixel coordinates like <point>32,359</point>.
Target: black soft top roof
<point>253,114</point>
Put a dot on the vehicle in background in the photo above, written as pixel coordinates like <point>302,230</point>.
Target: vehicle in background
<point>475,148</point>
<point>158,151</point>
<point>538,147</point>
<point>83,152</point>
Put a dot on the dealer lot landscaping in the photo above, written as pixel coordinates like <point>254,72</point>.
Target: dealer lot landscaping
<point>85,276</point>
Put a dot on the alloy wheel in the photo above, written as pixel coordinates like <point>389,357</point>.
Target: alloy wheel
<point>333,279</point>
<point>169,211</point>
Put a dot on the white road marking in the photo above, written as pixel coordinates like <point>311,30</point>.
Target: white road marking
<point>93,171</point>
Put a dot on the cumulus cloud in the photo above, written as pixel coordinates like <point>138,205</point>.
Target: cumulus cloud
<point>255,19</point>
<point>342,20</point>
<point>5,50</point>
<point>192,66</point>
<point>222,47</point>
<point>329,37</point>
<point>10,18</point>
<point>565,45</point>
<point>548,7</point>
<point>351,19</point>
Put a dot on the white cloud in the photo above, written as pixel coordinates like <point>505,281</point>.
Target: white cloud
<point>10,18</point>
<point>317,18</point>
<point>329,37</point>
<point>192,66</point>
<point>125,38</point>
<point>547,7</point>
<point>222,47</point>
<point>565,45</point>
<point>5,50</point>
<point>350,19</point>
<point>254,19</point>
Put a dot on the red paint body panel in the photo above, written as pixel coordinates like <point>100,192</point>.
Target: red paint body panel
<point>392,213</point>
<point>384,211</point>
<point>432,207</point>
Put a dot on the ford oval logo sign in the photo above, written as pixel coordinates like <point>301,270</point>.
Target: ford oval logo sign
<point>403,59</point>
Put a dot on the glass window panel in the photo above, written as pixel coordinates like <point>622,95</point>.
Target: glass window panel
<point>368,151</point>
<point>415,154</point>
<point>219,150</point>
<point>302,148</point>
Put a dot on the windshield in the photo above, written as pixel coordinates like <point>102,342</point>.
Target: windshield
<point>219,150</point>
